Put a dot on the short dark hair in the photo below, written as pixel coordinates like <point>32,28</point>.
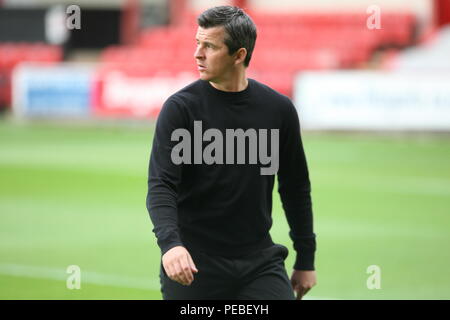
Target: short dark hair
<point>239,28</point>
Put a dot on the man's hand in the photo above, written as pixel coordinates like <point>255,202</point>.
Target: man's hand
<point>302,281</point>
<point>178,264</point>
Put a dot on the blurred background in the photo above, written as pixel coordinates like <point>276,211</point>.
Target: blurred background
<point>82,83</point>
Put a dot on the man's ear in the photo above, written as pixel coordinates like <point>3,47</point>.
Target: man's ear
<point>241,54</point>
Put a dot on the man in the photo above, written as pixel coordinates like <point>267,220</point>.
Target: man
<point>212,217</point>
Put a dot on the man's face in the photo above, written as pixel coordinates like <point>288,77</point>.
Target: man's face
<point>211,55</point>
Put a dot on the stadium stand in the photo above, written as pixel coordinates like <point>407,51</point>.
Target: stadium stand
<point>287,43</point>
<point>431,55</point>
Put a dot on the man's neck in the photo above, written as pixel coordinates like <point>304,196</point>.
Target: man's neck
<point>235,83</point>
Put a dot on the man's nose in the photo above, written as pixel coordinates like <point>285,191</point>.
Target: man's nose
<point>199,54</point>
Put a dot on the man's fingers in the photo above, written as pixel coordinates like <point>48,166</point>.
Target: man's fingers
<point>301,291</point>
<point>179,274</point>
<point>192,264</point>
<point>173,272</point>
<point>186,269</point>
<point>179,265</point>
<point>302,281</point>
<point>170,271</point>
<point>299,294</point>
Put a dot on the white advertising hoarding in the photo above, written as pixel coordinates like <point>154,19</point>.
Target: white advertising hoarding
<point>52,90</point>
<point>373,100</point>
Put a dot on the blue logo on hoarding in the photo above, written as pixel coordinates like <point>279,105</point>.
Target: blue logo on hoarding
<point>57,91</point>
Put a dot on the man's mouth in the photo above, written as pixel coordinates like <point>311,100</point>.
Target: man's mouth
<point>201,67</point>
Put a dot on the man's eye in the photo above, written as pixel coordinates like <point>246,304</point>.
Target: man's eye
<point>206,45</point>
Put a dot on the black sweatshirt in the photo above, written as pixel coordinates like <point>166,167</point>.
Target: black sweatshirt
<point>225,209</point>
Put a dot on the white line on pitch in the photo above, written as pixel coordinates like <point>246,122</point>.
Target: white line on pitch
<point>41,272</point>
<point>51,273</point>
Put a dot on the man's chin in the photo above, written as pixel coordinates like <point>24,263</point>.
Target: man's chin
<point>203,77</point>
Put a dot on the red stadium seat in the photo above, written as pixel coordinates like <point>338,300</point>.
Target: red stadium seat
<point>287,43</point>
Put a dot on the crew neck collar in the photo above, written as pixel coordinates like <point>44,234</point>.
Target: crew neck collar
<point>229,94</point>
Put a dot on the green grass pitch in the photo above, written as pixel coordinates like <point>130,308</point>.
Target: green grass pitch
<point>75,195</point>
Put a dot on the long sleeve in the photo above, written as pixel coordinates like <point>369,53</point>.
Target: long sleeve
<point>164,178</point>
<point>295,191</point>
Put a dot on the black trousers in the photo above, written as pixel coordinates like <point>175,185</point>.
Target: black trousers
<point>260,275</point>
